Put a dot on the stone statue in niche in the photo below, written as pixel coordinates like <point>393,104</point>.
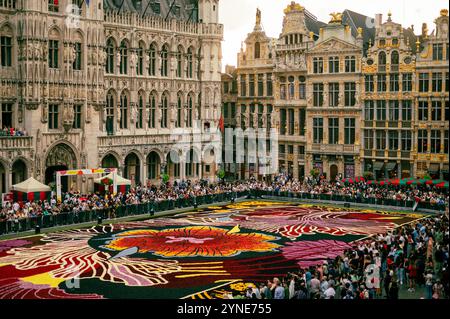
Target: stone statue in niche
<point>44,117</point>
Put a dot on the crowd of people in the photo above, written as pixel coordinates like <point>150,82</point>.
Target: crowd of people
<point>75,201</point>
<point>413,256</point>
<point>11,131</point>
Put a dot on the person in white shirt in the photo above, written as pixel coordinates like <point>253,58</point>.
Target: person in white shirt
<point>330,292</point>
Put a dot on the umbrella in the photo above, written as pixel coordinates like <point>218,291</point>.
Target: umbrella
<point>360,179</point>
<point>434,181</point>
<point>348,181</point>
<point>385,182</point>
<point>372,182</point>
<point>414,182</point>
<point>442,185</point>
<point>395,182</point>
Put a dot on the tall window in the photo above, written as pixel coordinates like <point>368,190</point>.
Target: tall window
<point>283,120</point>
<point>123,111</point>
<point>381,140</point>
<point>394,61</point>
<point>6,119</point>
<point>423,110</point>
<point>189,111</point>
<point>446,150</point>
<point>152,111</point>
<point>406,140</point>
<point>78,57</point>
<point>110,56</point>
<point>140,60</point>
<point>435,141</point>
<point>381,83</point>
<point>77,116</point>
<point>349,129</point>
<point>382,62</point>
<point>381,110</point>
<point>179,111</point>
<point>422,140</point>
<point>423,82</point>
<point>333,64</point>
<point>447,82</point>
<point>53,54</point>
<point>5,51</point>
<point>406,110</point>
<point>350,64</point>
<point>190,64</point>
<point>243,85</point>
<point>164,110</point>
<point>394,85</point>
<point>393,140</point>
<point>269,84</point>
<point>318,94</point>
<point>350,93</point>
<point>53,116</point>
<point>164,60</point>
<point>318,65</point>
<point>394,110</point>
<point>407,82</point>
<point>9,4</point>
<point>152,60</point>
<point>438,52</point>
<point>368,139</point>
<point>436,110</point>
<point>369,110</point>
<point>333,93</point>
<point>257,50</point>
<point>302,91</point>
<point>251,85</point>
<point>291,87</point>
<point>260,85</point>
<point>179,61</point>
<point>123,57</point>
<point>291,122</point>
<point>369,84</point>
<point>140,112</point>
<point>436,83</point>
<point>333,130</point>
<point>318,130</point>
<point>302,121</point>
<point>110,107</point>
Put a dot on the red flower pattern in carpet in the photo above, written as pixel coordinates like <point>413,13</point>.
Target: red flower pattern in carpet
<point>193,241</point>
<point>309,253</point>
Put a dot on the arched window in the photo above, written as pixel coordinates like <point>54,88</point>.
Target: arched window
<point>110,47</point>
<point>123,111</point>
<point>140,59</point>
<point>395,60</point>
<point>123,57</point>
<point>192,163</point>
<point>164,60</point>
<point>179,110</point>
<point>152,111</point>
<point>110,113</point>
<point>382,61</point>
<point>291,87</point>
<point>152,60</point>
<point>6,46</point>
<point>257,50</point>
<point>180,61</point>
<point>189,111</point>
<point>164,110</point>
<point>190,64</point>
<point>140,111</point>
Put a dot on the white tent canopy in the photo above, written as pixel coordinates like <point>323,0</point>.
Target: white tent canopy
<point>119,180</point>
<point>31,186</point>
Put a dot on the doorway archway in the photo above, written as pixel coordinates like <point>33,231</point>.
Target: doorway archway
<point>60,158</point>
<point>132,170</point>
<point>333,172</point>
<point>19,172</point>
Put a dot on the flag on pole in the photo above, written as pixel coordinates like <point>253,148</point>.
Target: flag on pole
<point>221,124</point>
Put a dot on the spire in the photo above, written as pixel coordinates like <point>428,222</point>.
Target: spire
<point>390,16</point>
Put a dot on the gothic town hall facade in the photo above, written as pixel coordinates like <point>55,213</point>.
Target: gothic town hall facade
<point>106,83</point>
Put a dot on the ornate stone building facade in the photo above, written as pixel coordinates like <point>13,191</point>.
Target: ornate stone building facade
<point>116,84</point>
<point>356,95</point>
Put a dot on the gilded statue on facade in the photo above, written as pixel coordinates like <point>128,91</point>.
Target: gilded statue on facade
<point>258,16</point>
<point>336,17</point>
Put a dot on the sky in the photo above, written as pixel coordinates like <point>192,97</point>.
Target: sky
<point>238,16</point>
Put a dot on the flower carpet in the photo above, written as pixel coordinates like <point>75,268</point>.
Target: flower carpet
<point>206,253</point>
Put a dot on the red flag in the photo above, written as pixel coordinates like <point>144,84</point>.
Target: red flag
<point>221,124</point>
<point>55,2</point>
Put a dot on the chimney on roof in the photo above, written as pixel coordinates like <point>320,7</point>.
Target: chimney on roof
<point>378,20</point>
